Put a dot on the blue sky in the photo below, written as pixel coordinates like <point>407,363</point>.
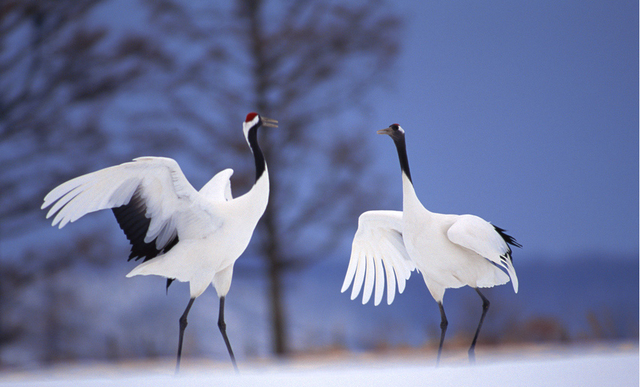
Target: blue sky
<point>524,113</point>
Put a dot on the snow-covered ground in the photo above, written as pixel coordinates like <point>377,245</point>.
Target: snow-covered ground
<point>531,366</point>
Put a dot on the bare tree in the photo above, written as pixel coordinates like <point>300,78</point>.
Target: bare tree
<point>202,66</point>
<point>59,70</point>
<point>308,64</point>
<point>294,64</point>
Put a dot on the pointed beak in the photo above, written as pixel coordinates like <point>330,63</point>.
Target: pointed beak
<point>270,122</point>
<point>385,131</point>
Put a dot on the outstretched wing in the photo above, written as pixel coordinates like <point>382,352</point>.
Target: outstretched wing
<point>377,243</point>
<point>487,240</point>
<point>145,196</point>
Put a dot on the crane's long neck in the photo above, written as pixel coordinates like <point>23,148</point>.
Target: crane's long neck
<point>401,147</point>
<point>409,198</point>
<point>261,164</point>
<point>258,195</point>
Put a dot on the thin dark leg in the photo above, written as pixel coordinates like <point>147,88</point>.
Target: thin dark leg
<point>443,329</point>
<point>223,329</point>
<point>183,325</point>
<point>485,308</point>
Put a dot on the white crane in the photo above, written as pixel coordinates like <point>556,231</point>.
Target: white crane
<point>450,251</point>
<point>180,233</point>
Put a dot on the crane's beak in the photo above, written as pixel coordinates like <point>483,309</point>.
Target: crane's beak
<point>385,131</point>
<point>269,122</point>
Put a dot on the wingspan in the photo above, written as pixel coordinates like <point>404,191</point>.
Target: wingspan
<point>144,194</point>
<point>377,243</point>
<point>487,240</point>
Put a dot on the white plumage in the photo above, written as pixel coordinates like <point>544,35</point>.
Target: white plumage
<point>450,251</point>
<point>378,241</point>
<point>184,234</point>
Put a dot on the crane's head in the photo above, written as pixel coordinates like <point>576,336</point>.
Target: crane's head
<point>254,121</point>
<point>395,131</point>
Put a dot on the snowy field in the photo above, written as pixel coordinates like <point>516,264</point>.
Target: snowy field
<point>533,366</point>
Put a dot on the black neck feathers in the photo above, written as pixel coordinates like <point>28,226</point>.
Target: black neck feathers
<point>401,147</point>
<point>252,138</point>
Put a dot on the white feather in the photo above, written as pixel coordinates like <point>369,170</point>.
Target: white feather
<point>160,181</point>
<point>376,249</point>
<point>219,187</point>
<point>477,234</point>
<point>480,236</point>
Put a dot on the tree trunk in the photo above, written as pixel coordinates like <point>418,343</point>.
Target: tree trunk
<point>271,245</point>
<point>275,269</point>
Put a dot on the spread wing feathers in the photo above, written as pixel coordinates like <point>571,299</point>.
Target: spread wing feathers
<point>487,240</point>
<point>133,221</point>
<point>219,187</point>
<point>378,249</point>
<point>144,195</point>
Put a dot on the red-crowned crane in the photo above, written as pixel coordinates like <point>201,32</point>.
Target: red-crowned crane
<point>180,233</point>
<point>450,251</point>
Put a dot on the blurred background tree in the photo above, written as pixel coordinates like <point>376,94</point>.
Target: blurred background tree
<point>87,84</point>
<point>59,72</point>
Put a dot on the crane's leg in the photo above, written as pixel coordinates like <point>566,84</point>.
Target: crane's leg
<point>183,325</point>
<point>485,308</point>
<point>443,329</point>
<point>223,329</point>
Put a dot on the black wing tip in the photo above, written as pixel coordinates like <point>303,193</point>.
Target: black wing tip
<point>507,238</point>
<point>133,221</point>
